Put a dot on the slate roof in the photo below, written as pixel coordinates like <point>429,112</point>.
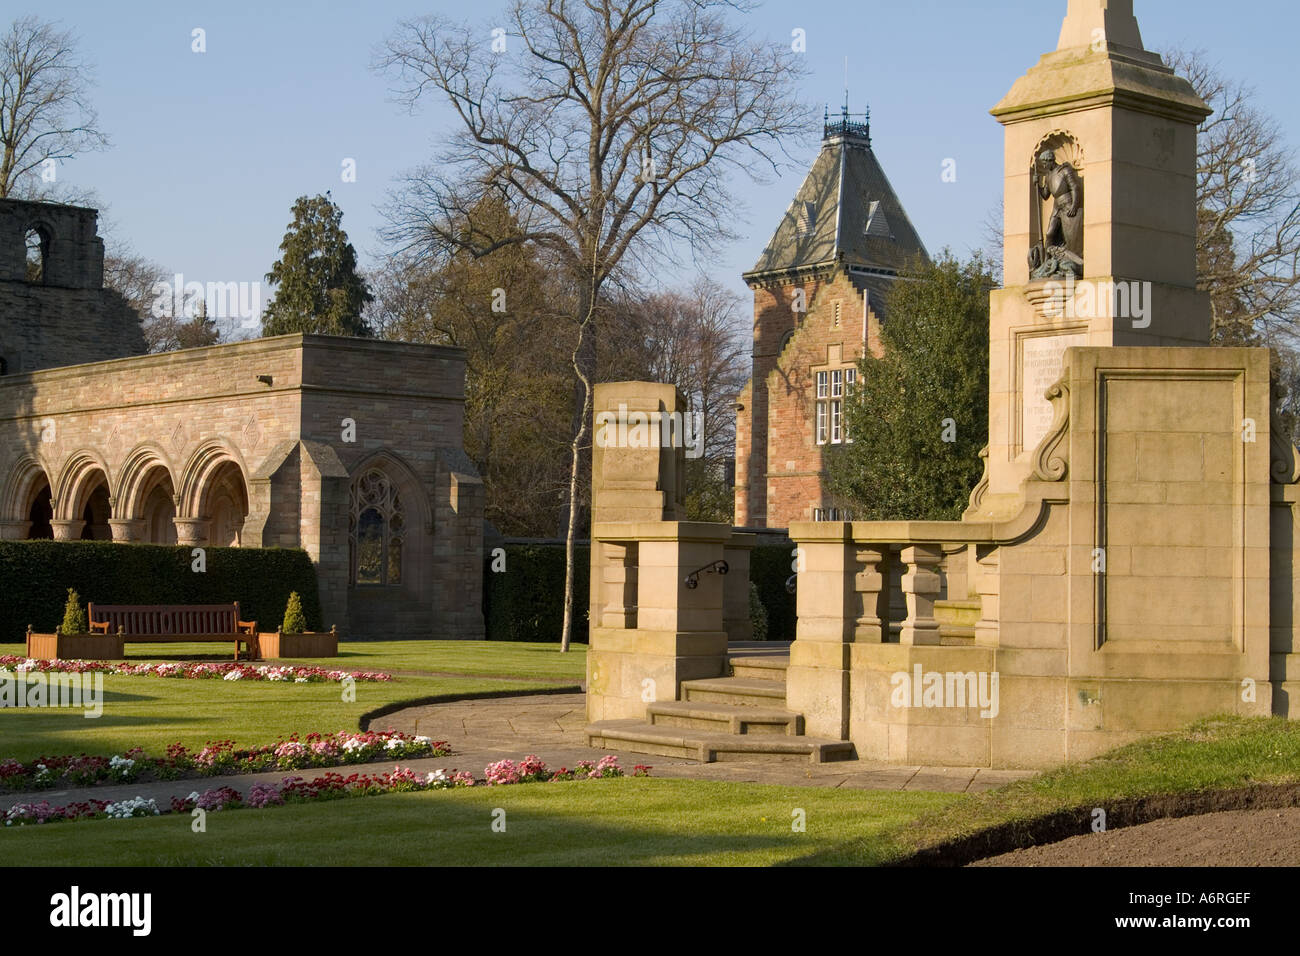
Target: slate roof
<point>845,211</point>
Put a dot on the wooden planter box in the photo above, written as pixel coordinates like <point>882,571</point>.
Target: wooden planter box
<point>75,647</point>
<point>311,644</point>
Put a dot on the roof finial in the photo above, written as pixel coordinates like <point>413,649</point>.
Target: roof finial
<point>846,87</point>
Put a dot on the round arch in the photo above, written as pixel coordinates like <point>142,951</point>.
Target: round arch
<point>24,482</point>
<point>214,487</point>
<point>81,476</point>
<point>197,484</point>
<point>138,477</point>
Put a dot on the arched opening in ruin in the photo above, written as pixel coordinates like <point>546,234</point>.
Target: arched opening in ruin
<point>96,514</point>
<point>37,241</point>
<point>225,502</point>
<point>40,513</point>
<point>159,507</point>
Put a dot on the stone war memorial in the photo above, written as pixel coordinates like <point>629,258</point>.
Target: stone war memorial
<point>1127,562</point>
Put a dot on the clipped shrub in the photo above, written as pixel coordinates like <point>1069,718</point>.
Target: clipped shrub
<point>525,602</point>
<point>35,576</point>
<point>295,622</point>
<point>769,568</point>
<point>757,613</point>
<point>74,616</point>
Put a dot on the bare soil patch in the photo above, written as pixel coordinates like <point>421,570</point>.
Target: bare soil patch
<point>1228,838</point>
<point>1121,815</point>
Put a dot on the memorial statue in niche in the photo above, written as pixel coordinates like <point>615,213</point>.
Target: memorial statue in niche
<point>1059,251</point>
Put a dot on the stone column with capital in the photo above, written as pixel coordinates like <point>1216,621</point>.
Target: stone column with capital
<point>126,530</point>
<point>192,532</point>
<point>67,529</point>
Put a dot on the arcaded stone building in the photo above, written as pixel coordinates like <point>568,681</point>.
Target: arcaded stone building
<point>348,448</point>
<point>819,290</point>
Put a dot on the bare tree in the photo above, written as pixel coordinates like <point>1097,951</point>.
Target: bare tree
<point>1248,202</point>
<point>45,112</point>
<point>992,248</point>
<point>612,129</point>
<point>698,340</point>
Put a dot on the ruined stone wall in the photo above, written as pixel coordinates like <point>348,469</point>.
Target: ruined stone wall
<point>65,316</point>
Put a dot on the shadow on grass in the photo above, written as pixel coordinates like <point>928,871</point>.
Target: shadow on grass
<point>395,831</point>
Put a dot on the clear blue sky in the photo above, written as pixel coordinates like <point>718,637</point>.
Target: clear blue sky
<point>209,151</point>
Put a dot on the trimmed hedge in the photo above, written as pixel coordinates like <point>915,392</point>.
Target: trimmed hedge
<point>526,601</point>
<point>35,577</point>
<point>769,568</point>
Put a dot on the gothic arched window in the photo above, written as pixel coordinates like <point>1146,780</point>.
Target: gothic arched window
<point>376,528</point>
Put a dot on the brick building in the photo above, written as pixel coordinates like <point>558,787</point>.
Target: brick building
<point>819,288</point>
<point>348,448</point>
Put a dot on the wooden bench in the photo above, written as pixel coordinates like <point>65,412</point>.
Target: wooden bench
<point>175,623</point>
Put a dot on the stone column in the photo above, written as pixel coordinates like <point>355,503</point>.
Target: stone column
<point>636,495</point>
<point>615,565</point>
<point>679,631</point>
<point>67,529</point>
<point>14,530</point>
<point>192,532</point>
<point>126,529</point>
<point>830,611</point>
<point>921,589</point>
<point>868,583</point>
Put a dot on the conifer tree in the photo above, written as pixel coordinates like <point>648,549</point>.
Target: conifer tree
<point>317,285</point>
<point>918,416</point>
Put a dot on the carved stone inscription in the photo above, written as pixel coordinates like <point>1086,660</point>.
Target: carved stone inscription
<point>1040,366</point>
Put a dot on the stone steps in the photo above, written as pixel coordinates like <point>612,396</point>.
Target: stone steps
<point>760,668</point>
<point>743,717</point>
<point>640,737</point>
<point>739,691</point>
<point>725,718</point>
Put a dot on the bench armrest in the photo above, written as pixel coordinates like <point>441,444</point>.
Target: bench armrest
<point>246,627</point>
<point>99,627</point>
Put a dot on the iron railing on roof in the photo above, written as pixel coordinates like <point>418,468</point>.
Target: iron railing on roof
<point>847,124</point>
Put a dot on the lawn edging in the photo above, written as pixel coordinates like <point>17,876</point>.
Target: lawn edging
<point>363,722</point>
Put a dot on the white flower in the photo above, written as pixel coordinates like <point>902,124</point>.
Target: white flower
<point>136,806</point>
<point>232,675</point>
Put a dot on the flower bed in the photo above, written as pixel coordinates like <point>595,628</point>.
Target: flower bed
<point>217,758</point>
<point>331,786</point>
<point>199,671</point>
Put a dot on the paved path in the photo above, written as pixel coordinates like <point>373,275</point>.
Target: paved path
<point>481,732</point>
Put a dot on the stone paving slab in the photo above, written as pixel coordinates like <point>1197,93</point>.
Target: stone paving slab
<point>554,724</point>
<point>481,732</point>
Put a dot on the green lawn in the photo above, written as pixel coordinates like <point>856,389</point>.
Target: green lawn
<point>522,660</point>
<point>628,821</point>
<point>153,712</point>
<point>597,822</point>
<point>1218,753</point>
